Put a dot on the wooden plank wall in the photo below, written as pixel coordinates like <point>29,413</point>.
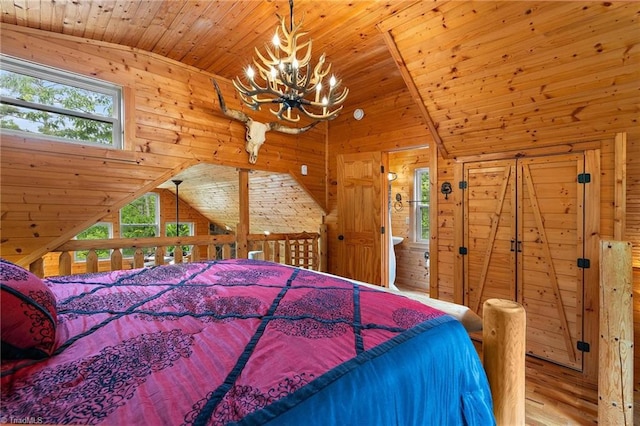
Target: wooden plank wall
<point>171,124</point>
<point>632,234</point>
<point>633,198</point>
<point>391,122</point>
<point>411,271</point>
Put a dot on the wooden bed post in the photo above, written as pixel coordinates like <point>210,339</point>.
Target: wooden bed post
<point>615,376</point>
<point>503,348</point>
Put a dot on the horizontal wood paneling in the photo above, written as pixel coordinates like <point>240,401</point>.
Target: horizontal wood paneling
<point>173,122</point>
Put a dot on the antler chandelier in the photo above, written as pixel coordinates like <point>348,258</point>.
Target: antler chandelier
<point>289,81</point>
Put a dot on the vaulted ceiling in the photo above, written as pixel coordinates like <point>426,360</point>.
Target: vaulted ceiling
<point>493,75</point>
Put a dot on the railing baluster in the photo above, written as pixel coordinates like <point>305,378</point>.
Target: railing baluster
<point>226,251</point>
<point>195,254</point>
<point>37,267</point>
<point>116,260</point>
<point>92,261</point>
<point>266,250</point>
<point>64,263</point>
<point>159,259</point>
<point>138,258</point>
<point>276,251</point>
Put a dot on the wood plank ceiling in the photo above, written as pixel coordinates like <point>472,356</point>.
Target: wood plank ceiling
<point>496,76</point>
<point>207,188</point>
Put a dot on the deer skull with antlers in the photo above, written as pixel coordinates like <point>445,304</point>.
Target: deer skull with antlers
<point>256,131</point>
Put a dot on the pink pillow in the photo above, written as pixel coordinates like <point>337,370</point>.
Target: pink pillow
<point>28,315</point>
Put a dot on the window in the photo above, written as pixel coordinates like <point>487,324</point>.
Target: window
<point>421,206</point>
<point>99,231</point>
<point>54,104</point>
<point>140,219</point>
<point>186,230</point>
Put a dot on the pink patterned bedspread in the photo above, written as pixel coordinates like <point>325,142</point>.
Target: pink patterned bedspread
<point>199,343</point>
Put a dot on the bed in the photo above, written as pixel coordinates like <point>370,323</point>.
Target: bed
<point>231,342</point>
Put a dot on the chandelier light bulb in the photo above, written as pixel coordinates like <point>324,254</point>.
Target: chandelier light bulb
<point>325,101</point>
<point>250,72</point>
<point>332,81</point>
<point>295,64</point>
<point>273,72</point>
<point>276,40</point>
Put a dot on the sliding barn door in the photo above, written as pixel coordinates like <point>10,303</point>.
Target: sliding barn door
<point>524,235</point>
<point>360,217</point>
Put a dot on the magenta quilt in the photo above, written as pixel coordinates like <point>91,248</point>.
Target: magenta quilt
<point>228,342</point>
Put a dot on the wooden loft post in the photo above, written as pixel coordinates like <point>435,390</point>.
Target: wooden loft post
<point>324,244</point>
<point>504,333</point>
<point>242,246</point>
<point>620,190</point>
<point>615,378</point>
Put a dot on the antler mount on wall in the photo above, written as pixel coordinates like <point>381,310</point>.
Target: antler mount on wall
<point>256,131</point>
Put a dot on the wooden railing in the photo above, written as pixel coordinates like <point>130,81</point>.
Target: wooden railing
<point>306,250</point>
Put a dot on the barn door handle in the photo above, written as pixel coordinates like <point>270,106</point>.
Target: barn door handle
<point>513,245</point>
<point>341,237</point>
<point>519,246</point>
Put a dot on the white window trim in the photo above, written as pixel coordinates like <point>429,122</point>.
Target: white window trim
<point>70,79</point>
<point>157,222</point>
<point>417,206</point>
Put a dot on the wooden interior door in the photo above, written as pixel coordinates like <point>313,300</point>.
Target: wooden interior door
<point>523,235</point>
<point>551,240</point>
<point>360,216</point>
<point>489,232</point>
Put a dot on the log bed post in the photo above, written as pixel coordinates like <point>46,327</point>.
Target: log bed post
<point>503,349</point>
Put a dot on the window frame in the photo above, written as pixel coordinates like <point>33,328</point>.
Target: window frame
<point>419,205</point>
<point>156,224</point>
<point>69,79</point>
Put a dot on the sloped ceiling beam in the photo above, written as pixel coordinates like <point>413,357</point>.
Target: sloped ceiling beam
<point>413,90</point>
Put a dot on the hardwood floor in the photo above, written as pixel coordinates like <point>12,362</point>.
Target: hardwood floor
<point>555,396</point>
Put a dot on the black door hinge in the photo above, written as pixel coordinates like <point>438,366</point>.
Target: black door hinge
<point>382,229</point>
<point>584,178</point>
<point>462,184</point>
<point>382,169</point>
<point>462,250</point>
<point>583,346</point>
<point>584,263</point>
